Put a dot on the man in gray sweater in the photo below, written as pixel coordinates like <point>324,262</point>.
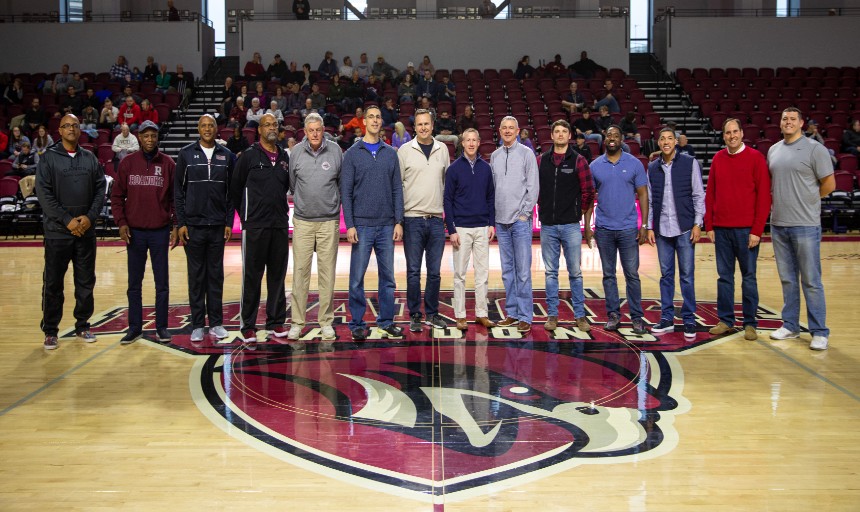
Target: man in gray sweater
<point>315,179</point>
<point>515,173</point>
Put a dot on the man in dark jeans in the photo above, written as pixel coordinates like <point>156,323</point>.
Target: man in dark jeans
<point>142,205</point>
<point>71,189</point>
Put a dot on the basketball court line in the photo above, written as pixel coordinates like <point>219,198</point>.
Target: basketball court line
<point>809,370</point>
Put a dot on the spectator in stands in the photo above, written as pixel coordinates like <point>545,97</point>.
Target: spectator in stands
<point>410,70</point>
<point>851,139</point>
<point>150,71</point>
<point>337,94</point>
<point>309,108</point>
<point>629,128</point>
<point>91,99</point>
<point>124,144</point>
<point>4,145</point>
<point>260,94</point>
<point>400,135</point>
<point>253,115</point>
<point>182,82</point>
<point>525,139</point>
<point>582,148</point>
<point>737,204</point>
<point>228,96</point>
<point>556,69</point>
<point>389,113</point>
<point>524,69</point>
<point>129,113</point>
<point>813,133</point>
<point>302,9</point>
<point>427,87</point>
<point>406,90</point>
<point>71,104</point>
<point>172,12</point>
<point>467,120</point>
<point>294,75</point>
<point>588,127</point>
<point>574,101</point>
<point>487,10</point>
<point>328,66</point>
<point>277,70</point>
<point>238,114</point>
<point>275,112</point>
<point>34,117</point>
<point>109,115</point>
<point>685,147</point>
<point>383,70</point>
<point>363,67</point>
<point>77,83</point>
<point>445,128</point>
<point>317,98</point>
<point>254,69</point>
<point>446,91</point>
<point>119,71</point>
<point>136,74</point>
<point>346,70</point>
<point>16,141</point>
<point>355,122</point>
<point>14,93</point>
<point>89,121</point>
<point>354,92</point>
<point>25,163</point>
<point>162,81</point>
<point>237,143</point>
<point>244,94</point>
<point>306,79</point>
<point>127,91</point>
<point>295,100</point>
<point>147,113</point>
<point>41,140</point>
<point>604,121</point>
<point>372,90</point>
<point>279,98</point>
<point>61,80</point>
<point>585,67</point>
<point>607,97</point>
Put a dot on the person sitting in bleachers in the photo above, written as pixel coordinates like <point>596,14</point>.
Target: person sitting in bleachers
<point>41,140</point>
<point>119,98</point>
<point>524,69</point>
<point>309,109</point>
<point>467,120</point>
<point>254,69</point>
<point>328,66</point>
<point>25,163</point>
<point>354,92</point>
<point>355,122</point>
<point>363,67</point>
<point>89,121</point>
<point>389,113</point>
<point>585,67</point>
<point>61,81</point>
<point>147,113</point>
<point>295,100</point>
<point>275,111</point>
<point>129,113</point>
<point>237,143</point>
<point>526,140</point>
<point>813,133</point>
<point>337,94</point>
<point>629,128</point>
<point>35,116</point>
<point>427,87</point>
<point>684,146</point>
<point>426,65</point>
<point>372,90</point>
<point>150,71</point>
<point>124,144</point>
<point>90,98</point>
<point>119,71</point>
<point>582,148</point>
<point>346,70</point>
<point>317,98</point>
<point>109,115</point>
<point>162,81</point>
<point>182,82</point>
<point>607,97</point>
<point>588,127</point>
<point>447,90</point>
<point>72,103</point>
<point>253,115</point>
<point>78,83</point>
<point>17,139</point>
<point>604,120</point>
<point>279,98</point>
<point>383,70</point>
<point>574,100</point>
<point>14,93</point>
<point>406,89</point>
<point>307,78</point>
<point>136,74</point>
<point>238,114</point>
<point>277,70</point>
<point>445,128</point>
<point>556,69</point>
<point>851,139</point>
<point>260,94</point>
<point>409,71</point>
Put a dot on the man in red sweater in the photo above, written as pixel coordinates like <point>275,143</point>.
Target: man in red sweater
<point>142,204</point>
<point>129,113</point>
<point>737,203</point>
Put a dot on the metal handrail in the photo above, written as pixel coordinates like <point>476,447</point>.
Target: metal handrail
<point>89,17</point>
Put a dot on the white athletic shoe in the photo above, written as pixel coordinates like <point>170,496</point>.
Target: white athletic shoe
<point>328,333</point>
<point>295,332</point>
<point>219,332</point>
<point>197,335</point>
<point>818,343</point>
<point>783,334</point>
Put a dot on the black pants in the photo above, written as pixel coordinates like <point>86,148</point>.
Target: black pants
<point>264,249</point>
<point>81,252</point>
<point>204,253</point>
<point>157,243</point>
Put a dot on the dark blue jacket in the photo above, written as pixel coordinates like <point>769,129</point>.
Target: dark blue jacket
<point>371,188</point>
<point>202,188</point>
<point>470,195</point>
<point>682,190</point>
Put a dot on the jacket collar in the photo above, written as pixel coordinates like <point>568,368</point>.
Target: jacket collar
<point>414,144</point>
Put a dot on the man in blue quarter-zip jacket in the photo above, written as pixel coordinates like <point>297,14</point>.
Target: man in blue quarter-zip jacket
<point>371,190</point>
<point>259,192</point>
<point>204,215</point>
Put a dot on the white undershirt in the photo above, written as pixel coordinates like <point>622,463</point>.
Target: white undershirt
<point>209,151</point>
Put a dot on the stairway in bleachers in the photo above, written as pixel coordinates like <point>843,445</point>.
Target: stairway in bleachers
<point>183,130</point>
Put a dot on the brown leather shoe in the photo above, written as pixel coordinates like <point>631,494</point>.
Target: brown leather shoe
<point>507,322</point>
<point>461,324</point>
<point>524,327</point>
<point>720,328</point>
<point>551,323</point>
<point>750,333</point>
<point>583,325</point>
<point>486,322</point>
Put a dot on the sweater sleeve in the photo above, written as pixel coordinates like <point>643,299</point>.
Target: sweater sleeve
<point>491,197</point>
<point>99,188</point>
<point>397,193</point>
<point>711,195</point>
<point>231,210</point>
<point>763,197</point>
<point>347,182</point>
<point>119,193</point>
<point>179,188</point>
<point>47,195</point>
<point>237,184</point>
<point>532,184</point>
<point>448,199</point>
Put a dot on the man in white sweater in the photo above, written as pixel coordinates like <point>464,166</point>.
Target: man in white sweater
<point>124,144</point>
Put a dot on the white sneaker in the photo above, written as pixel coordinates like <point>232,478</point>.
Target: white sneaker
<point>295,332</point>
<point>818,343</point>
<point>328,333</point>
<point>783,334</point>
<point>197,334</point>
<point>219,332</point>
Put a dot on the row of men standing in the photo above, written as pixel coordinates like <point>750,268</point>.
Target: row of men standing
<point>388,195</point>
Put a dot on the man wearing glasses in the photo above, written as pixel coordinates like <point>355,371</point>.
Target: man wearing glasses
<point>70,185</point>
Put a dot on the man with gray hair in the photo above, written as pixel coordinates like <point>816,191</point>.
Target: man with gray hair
<point>315,184</point>
<point>515,174</point>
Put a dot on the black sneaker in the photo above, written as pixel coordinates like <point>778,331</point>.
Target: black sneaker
<point>163,335</point>
<point>130,337</point>
<point>392,331</point>
<point>639,326</point>
<point>360,334</point>
<point>437,322</point>
<point>612,323</point>
<point>415,323</point>
<point>690,331</point>
<point>663,327</point>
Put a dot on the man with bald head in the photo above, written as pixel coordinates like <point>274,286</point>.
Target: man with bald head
<point>259,192</point>
<point>71,189</point>
<point>204,216</point>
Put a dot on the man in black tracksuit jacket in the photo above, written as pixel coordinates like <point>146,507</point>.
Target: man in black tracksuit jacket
<point>259,191</point>
<point>204,216</point>
<point>70,185</point>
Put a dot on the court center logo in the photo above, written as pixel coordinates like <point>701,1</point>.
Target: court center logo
<point>448,413</point>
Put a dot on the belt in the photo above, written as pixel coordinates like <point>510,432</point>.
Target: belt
<point>425,217</point>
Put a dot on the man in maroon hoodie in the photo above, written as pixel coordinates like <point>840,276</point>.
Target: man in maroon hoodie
<point>142,204</point>
<point>737,203</point>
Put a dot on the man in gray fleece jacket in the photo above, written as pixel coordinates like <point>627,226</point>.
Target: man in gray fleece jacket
<point>315,179</point>
<point>515,174</point>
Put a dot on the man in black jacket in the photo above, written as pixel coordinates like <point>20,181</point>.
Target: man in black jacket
<point>566,194</point>
<point>204,215</point>
<point>70,184</point>
<point>259,192</point>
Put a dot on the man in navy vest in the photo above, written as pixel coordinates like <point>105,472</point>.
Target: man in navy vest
<point>677,200</point>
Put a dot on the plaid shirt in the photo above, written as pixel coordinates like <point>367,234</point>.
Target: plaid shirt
<point>119,72</point>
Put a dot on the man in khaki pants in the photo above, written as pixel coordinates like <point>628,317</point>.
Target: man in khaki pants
<point>470,205</point>
<point>315,180</point>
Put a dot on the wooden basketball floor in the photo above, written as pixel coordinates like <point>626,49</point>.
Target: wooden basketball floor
<point>756,425</point>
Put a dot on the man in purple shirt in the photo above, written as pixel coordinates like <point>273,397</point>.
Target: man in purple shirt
<point>677,199</point>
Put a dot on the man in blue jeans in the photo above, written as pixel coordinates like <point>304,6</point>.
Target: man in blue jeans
<point>372,194</point>
<point>566,195</point>
<point>619,178</point>
<point>515,175</point>
<point>422,165</point>
<point>677,199</point>
<point>801,174</point>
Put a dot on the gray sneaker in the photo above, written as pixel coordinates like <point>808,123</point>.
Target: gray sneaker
<point>328,333</point>
<point>639,326</point>
<point>612,323</point>
<point>218,331</point>
<point>437,322</point>
<point>197,335</point>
